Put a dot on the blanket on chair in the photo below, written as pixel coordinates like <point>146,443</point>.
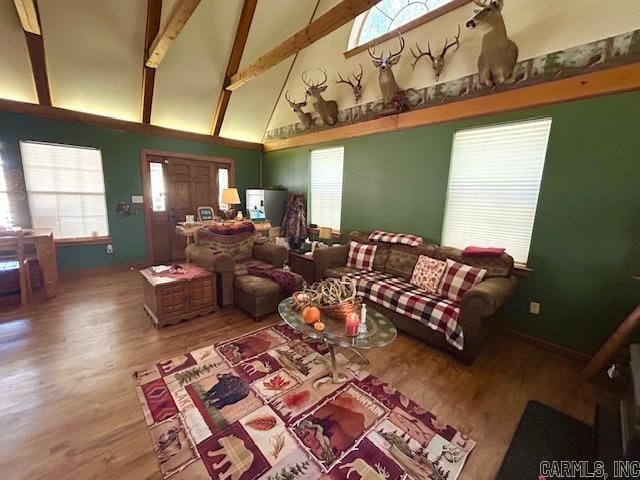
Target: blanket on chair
<point>283,278</point>
<point>232,228</point>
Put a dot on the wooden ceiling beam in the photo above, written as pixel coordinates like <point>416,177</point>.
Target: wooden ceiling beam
<point>30,20</point>
<point>65,115</point>
<point>342,13</point>
<point>28,16</point>
<point>182,11</point>
<point>242,33</point>
<point>154,11</point>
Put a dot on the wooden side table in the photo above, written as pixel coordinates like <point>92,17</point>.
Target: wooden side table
<point>169,300</point>
<point>302,264</point>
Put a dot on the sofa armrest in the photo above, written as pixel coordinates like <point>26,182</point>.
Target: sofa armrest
<point>270,253</point>
<point>489,295</point>
<point>329,257</point>
<point>207,258</point>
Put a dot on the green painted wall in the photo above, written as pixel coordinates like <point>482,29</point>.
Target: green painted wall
<point>586,238</point>
<point>121,164</point>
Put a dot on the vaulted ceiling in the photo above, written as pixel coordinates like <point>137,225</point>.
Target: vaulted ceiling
<point>95,55</point>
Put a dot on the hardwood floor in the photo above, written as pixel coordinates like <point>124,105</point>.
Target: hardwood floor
<point>68,408</point>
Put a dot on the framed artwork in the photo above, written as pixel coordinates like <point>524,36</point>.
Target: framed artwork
<point>205,214</point>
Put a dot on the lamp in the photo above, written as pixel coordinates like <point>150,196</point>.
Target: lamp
<point>230,197</point>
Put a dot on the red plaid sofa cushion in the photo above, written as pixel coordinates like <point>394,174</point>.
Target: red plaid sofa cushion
<point>361,256</point>
<point>437,313</point>
<point>458,279</point>
<point>402,238</point>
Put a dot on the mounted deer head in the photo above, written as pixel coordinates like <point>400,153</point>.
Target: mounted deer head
<point>356,87</point>
<point>327,109</point>
<point>304,117</point>
<point>437,61</point>
<point>499,54</point>
<point>388,86</point>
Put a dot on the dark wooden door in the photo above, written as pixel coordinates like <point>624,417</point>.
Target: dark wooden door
<point>191,184</point>
<point>178,187</point>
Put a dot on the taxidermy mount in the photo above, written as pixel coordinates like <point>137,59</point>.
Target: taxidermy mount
<point>499,54</point>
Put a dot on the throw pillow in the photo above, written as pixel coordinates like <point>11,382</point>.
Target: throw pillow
<point>361,256</point>
<point>427,273</point>
<point>458,279</point>
<point>483,251</point>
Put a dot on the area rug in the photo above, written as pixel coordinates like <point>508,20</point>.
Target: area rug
<point>251,408</point>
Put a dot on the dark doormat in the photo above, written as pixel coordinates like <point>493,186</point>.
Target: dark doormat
<point>544,434</point>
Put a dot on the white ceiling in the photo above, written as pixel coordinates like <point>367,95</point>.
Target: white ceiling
<point>16,82</point>
<point>94,51</point>
<point>93,54</point>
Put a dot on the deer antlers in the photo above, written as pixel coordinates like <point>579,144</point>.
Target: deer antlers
<point>486,3</point>
<point>437,61</point>
<point>356,87</point>
<point>392,55</point>
<point>293,103</point>
<point>314,84</point>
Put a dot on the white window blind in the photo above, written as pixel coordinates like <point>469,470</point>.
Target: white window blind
<point>326,187</point>
<point>494,182</point>
<point>65,187</point>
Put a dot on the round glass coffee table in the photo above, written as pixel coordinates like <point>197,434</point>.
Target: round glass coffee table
<point>380,332</point>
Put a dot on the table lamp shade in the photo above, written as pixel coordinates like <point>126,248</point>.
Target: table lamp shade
<point>230,196</point>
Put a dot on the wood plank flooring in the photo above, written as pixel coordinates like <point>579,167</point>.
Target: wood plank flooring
<point>68,408</point>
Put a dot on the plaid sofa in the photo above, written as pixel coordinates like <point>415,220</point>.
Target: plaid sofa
<point>458,327</point>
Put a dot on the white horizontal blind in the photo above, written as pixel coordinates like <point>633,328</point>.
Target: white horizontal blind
<point>494,182</point>
<point>326,187</point>
<point>65,187</point>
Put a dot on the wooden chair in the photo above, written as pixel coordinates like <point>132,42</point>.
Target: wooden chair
<point>13,248</point>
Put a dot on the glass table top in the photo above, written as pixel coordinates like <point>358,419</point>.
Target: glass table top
<point>380,331</point>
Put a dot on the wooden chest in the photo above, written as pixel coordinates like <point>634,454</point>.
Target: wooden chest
<point>171,300</point>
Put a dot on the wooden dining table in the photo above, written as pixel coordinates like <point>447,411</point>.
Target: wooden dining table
<point>45,249</point>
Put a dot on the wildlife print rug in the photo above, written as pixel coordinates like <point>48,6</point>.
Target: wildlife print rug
<point>251,408</point>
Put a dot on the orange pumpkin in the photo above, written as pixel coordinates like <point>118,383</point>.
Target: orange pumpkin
<point>311,315</point>
<point>319,326</point>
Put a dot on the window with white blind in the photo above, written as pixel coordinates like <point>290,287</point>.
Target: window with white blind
<point>65,188</point>
<point>494,182</point>
<point>326,187</point>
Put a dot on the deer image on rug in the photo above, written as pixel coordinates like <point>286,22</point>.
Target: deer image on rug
<point>366,471</point>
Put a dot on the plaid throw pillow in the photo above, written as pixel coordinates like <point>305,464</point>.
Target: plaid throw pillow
<point>458,279</point>
<point>427,273</point>
<point>401,238</point>
<point>361,256</point>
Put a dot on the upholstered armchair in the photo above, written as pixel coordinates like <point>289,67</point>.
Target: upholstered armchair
<point>230,255</point>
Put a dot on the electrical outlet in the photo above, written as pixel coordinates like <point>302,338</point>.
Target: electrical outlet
<point>109,248</point>
<point>534,308</point>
